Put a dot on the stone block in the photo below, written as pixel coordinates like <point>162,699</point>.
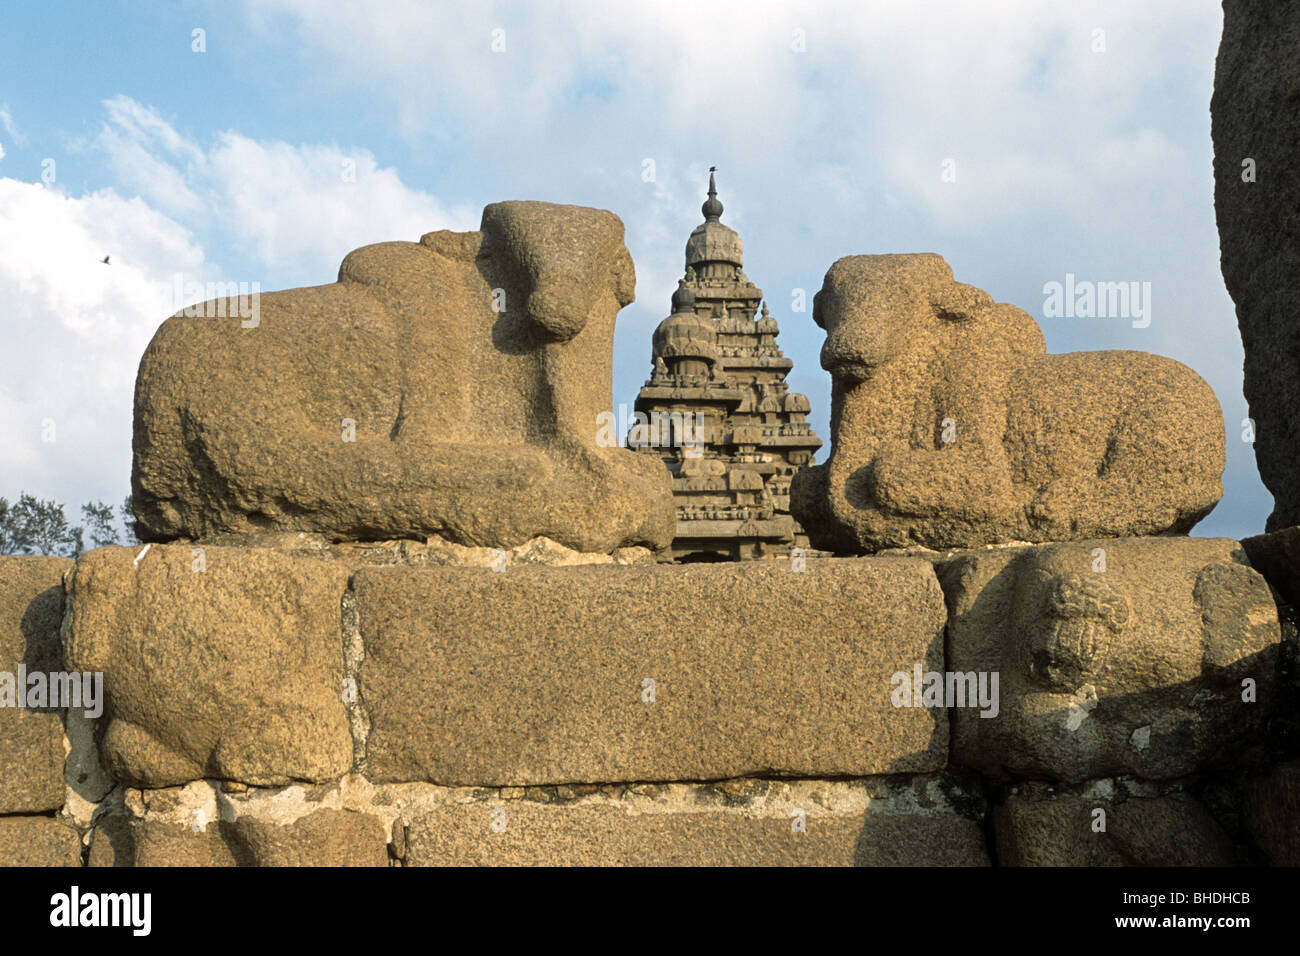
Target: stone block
<point>326,837</point>
<point>232,672</point>
<point>31,742</point>
<point>1152,657</point>
<point>604,674</point>
<point>38,841</point>
<point>203,825</point>
<point>1271,811</point>
<point>743,823</point>
<point>1095,829</point>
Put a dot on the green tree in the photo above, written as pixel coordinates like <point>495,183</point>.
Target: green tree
<point>128,521</point>
<point>45,528</point>
<point>98,519</point>
<point>13,534</point>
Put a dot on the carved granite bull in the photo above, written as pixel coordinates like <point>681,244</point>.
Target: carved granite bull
<point>953,427</point>
<point>1151,657</point>
<point>448,387</point>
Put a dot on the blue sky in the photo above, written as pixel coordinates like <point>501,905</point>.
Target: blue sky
<point>830,125</point>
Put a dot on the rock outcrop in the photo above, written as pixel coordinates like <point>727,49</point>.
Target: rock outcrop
<point>953,427</point>
<point>448,387</point>
<point>1256,132</point>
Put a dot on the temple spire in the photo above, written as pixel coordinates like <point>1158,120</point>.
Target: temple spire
<point>712,209</point>
<point>718,366</point>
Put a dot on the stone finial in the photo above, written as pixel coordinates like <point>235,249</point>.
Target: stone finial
<point>683,298</point>
<point>712,208</point>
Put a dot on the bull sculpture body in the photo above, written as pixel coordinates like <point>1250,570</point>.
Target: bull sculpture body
<point>953,427</point>
<point>448,387</point>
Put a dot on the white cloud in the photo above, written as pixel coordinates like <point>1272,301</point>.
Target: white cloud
<point>306,207</point>
<point>150,158</point>
<point>296,209</point>
<point>76,327</point>
<point>10,127</point>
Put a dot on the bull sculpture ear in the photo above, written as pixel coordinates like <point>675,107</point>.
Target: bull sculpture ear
<point>817,308</point>
<point>624,277</point>
<point>959,302</point>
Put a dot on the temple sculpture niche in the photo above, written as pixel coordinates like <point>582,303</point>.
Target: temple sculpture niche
<point>717,409</point>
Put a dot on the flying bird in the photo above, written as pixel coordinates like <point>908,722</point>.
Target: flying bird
<point>105,261</point>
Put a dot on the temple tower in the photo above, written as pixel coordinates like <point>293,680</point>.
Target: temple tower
<point>717,409</point>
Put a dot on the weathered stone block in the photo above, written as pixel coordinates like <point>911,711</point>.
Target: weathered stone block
<point>1115,656</point>
<point>324,838</point>
<point>38,841</point>
<point>448,387</point>
<point>174,844</point>
<point>953,427</point>
<point>31,743</point>
<point>751,823</point>
<point>233,672</point>
<point>200,825</point>
<point>1277,557</point>
<point>697,672</point>
<point>1271,811</point>
<point>1067,830</point>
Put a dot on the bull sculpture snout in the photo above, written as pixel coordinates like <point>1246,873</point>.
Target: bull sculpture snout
<point>558,310</point>
<point>560,303</point>
<point>846,363</point>
<point>859,340</point>
<point>563,260</point>
<point>856,346</point>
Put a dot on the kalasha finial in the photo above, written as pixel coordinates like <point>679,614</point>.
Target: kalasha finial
<point>683,298</point>
<point>712,209</point>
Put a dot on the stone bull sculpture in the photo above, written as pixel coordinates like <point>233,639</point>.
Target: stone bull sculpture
<point>953,427</point>
<point>1151,657</point>
<point>447,387</point>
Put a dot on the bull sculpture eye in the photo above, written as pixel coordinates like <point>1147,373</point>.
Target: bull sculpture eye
<point>959,302</point>
<point>1071,639</point>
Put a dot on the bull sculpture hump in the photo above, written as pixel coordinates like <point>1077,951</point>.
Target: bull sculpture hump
<point>953,427</point>
<point>447,387</point>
